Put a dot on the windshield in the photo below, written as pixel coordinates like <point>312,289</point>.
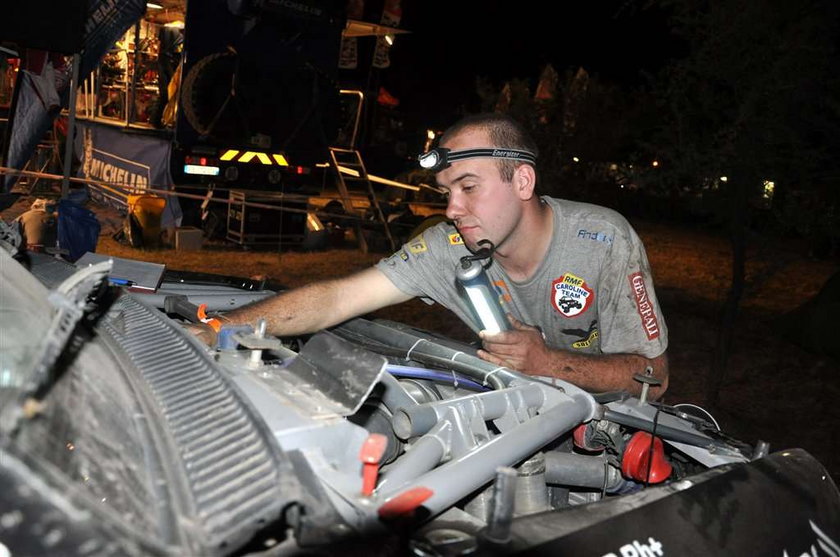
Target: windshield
<point>25,316</point>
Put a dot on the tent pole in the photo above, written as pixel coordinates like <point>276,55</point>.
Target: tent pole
<point>71,125</point>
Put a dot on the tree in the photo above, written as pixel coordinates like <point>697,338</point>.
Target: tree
<point>584,126</point>
<point>756,99</point>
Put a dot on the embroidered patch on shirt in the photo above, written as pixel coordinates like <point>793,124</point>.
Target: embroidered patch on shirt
<point>455,239</point>
<point>643,305</point>
<point>502,290</point>
<point>417,245</point>
<point>593,336</point>
<point>570,295</point>
<point>392,259</point>
<point>584,234</point>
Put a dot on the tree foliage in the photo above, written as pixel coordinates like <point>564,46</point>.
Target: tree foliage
<point>755,99</point>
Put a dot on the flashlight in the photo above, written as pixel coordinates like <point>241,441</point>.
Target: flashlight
<point>481,295</point>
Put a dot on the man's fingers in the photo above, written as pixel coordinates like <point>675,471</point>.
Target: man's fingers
<point>202,332</point>
<point>493,359</point>
<point>519,325</point>
<point>505,337</point>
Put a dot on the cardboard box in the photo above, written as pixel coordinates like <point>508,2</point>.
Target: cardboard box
<point>188,238</point>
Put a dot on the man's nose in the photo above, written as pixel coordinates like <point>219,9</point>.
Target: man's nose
<point>454,207</point>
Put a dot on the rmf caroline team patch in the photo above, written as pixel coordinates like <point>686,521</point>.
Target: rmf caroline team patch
<point>643,305</point>
<point>455,239</point>
<point>570,295</point>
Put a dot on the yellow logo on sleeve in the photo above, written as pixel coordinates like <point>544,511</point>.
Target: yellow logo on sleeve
<point>417,245</point>
<point>455,239</point>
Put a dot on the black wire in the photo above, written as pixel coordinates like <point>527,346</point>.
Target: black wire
<point>606,474</point>
<point>652,440</point>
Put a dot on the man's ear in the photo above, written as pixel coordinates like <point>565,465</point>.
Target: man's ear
<point>525,181</point>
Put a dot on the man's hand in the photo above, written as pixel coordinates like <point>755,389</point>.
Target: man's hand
<point>203,332</point>
<point>522,349</point>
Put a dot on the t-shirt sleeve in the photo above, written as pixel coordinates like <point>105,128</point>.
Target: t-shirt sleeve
<point>631,320</point>
<point>422,266</point>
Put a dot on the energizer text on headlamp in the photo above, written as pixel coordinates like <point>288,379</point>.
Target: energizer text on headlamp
<point>441,157</point>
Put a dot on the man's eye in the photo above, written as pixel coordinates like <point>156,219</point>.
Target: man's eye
<point>467,189</point>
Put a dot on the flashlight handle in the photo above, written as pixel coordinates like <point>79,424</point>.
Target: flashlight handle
<point>483,298</point>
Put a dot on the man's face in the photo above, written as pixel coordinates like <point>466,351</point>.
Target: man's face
<point>481,204</point>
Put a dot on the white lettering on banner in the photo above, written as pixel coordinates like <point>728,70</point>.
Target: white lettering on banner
<point>301,7</point>
<point>644,307</point>
<point>652,548</point>
<point>106,172</point>
<point>105,9</point>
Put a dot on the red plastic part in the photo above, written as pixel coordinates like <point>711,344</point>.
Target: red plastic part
<point>643,465</point>
<point>371,453</point>
<point>405,503</point>
<point>581,441</point>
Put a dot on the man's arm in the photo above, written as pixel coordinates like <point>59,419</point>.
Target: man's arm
<point>318,305</point>
<point>524,349</point>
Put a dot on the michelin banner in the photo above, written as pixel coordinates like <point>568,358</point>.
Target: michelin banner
<point>129,163</point>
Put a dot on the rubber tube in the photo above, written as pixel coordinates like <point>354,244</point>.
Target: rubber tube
<point>434,375</point>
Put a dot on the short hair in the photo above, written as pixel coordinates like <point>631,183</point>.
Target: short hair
<point>504,132</point>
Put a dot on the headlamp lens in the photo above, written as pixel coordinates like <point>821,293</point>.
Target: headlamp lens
<point>434,160</point>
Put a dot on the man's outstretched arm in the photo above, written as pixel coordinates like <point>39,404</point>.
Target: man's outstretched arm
<point>524,350</point>
<point>318,305</point>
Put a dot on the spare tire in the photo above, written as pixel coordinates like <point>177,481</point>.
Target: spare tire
<point>205,91</point>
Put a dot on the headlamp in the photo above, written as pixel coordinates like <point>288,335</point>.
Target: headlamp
<point>441,157</point>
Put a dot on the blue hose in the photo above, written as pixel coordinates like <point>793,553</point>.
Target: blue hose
<point>434,375</point>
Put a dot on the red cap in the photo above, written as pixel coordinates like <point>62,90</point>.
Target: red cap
<point>643,465</point>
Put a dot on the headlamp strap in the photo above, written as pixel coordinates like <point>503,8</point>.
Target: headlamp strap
<point>514,154</point>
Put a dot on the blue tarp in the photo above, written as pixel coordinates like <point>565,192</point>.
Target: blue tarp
<point>78,229</point>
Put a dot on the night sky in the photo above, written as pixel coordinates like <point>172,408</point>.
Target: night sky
<point>434,68</point>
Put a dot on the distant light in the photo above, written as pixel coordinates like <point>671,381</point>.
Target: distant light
<point>389,38</point>
<point>655,163</point>
<point>177,24</point>
<point>575,159</point>
<point>153,6</point>
<point>430,134</point>
<point>621,186</point>
<point>769,189</point>
<point>724,179</point>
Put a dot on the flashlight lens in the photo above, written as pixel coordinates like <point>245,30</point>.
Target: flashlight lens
<point>430,159</point>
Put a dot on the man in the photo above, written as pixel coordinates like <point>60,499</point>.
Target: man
<point>574,277</point>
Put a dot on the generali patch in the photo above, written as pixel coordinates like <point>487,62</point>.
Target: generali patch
<point>643,305</point>
<point>570,295</point>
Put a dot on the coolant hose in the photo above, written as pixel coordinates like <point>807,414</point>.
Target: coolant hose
<point>434,375</point>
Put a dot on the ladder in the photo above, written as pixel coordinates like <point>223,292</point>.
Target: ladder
<point>350,169</point>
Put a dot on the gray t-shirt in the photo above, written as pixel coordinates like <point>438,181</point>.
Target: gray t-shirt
<point>592,293</point>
